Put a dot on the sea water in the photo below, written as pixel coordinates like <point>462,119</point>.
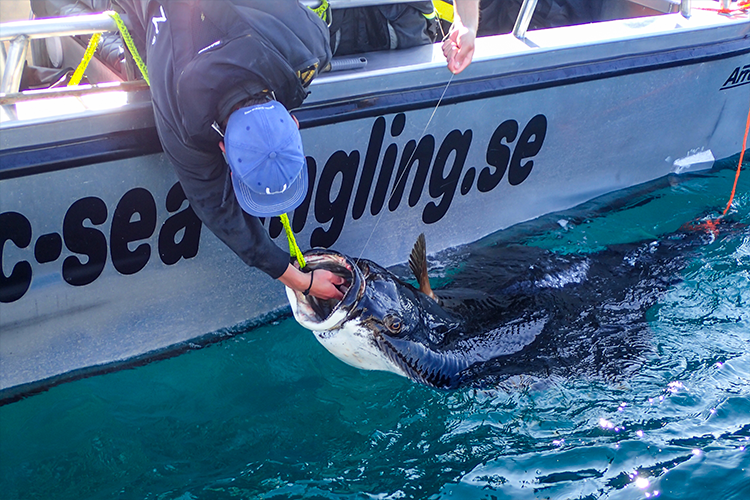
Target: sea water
<point>269,413</point>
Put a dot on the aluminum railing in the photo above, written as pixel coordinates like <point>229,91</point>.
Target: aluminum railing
<point>685,8</point>
<point>529,6</point>
<point>20,33</point>
<point>346,4</point>
<point>524,18</point>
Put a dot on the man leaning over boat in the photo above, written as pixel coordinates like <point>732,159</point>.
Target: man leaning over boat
<point>223,75</point>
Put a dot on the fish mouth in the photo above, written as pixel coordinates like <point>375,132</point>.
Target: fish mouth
<point>320,314</point>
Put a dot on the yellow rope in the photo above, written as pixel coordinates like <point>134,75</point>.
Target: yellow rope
<point>129,43</point>
<point>294,250</point>
<point>78,74</point>
<point>323,11</point>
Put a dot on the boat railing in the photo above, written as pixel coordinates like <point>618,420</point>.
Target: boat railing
<point>19,34</point>
<point>524,18</point>
<point>685,8</point>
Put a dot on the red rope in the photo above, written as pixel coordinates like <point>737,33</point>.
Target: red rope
<point>739,165</point>
<point>710,225</point>
<point>741,6</point>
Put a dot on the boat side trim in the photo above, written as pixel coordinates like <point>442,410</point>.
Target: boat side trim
<point>20,162</point>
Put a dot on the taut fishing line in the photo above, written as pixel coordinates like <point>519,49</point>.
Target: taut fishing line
<point>398,178</point>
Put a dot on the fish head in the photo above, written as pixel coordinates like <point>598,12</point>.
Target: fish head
<point>380,323</point>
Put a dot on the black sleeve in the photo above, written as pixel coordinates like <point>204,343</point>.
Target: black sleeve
<point>61,8</point>
<point>205,178</point>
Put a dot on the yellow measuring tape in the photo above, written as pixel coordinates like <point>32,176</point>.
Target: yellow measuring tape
<point>294,250</point>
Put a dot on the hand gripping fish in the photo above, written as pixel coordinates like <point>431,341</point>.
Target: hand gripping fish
<point>383,323</point>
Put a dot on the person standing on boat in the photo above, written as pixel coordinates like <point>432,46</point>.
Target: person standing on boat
<point>355,30</point>
<point>458,47</point>
<point>222,77</point>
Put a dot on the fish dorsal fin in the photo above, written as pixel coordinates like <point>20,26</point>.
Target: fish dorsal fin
<point>418,265</point>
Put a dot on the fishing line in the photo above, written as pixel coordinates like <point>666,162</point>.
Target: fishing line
<point>399,177</point>
<point>710,225</point>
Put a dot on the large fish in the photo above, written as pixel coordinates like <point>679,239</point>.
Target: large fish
<point>515,310</point>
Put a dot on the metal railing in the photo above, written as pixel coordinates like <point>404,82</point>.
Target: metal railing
<point>524,18</point>
<point>529,6</point>
<point>685,8</point>
<point>346,4</point>
<point>20,33</point>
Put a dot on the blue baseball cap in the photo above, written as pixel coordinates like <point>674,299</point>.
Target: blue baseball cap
<point>264,151</point>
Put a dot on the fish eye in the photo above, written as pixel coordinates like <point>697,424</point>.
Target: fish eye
<point>393,323</point>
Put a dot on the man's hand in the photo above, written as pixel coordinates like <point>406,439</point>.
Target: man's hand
<point>324,283</point>
<point>458,48</point>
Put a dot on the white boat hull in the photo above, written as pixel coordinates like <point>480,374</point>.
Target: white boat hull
<point>103,262</point>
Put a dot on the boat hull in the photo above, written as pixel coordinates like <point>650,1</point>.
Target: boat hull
<point>103,262</point>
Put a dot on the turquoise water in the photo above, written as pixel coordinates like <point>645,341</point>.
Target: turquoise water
<point>270,414</point>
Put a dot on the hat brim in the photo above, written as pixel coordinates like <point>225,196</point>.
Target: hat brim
<point>269,205</point>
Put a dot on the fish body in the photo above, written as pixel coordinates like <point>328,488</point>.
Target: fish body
<point>508,310</point>
<point>384,323</point>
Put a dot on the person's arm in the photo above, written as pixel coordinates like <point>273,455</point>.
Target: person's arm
<point>205,180</point>
<point>458,48</point>
<point>321,283</point>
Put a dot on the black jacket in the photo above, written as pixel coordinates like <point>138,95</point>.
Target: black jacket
<point>383,27</point>
<point>499,16</point>
<point>204,56</point>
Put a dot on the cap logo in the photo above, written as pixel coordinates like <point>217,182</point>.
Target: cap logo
<point>259,107</point>
<point>268,190</point>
